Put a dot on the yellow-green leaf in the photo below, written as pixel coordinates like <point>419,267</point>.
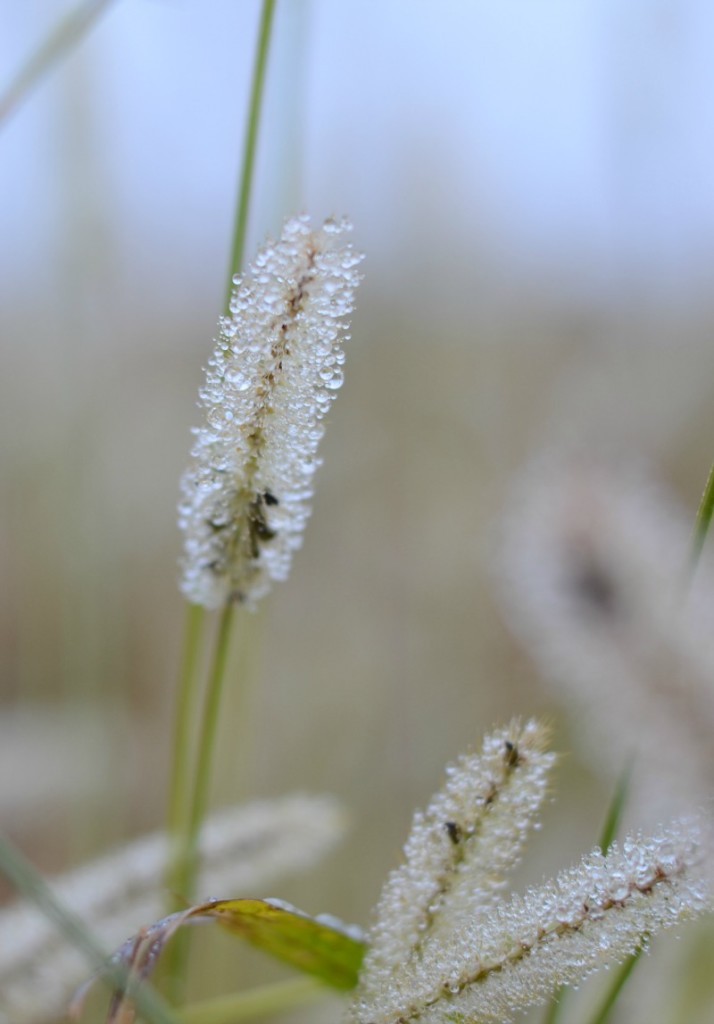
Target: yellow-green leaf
<point>322,946</point>
<point>319,946</point>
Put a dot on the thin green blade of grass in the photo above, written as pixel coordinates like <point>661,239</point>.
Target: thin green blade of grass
<point>607,837</point>
<point>256,1002</point>
<point>250,144</point>
<point>186,711</point>
<point>622,976</point>
<point>63,37</point>
<point>611,825</point>
<point>187,795</point>
<point>702,522</point>
<point>613,818</point>
<point>188,798</point>
<point>30,884</point>
<point>552,1013</point>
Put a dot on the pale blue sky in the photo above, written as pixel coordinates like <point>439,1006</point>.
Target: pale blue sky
<point>569,142</point>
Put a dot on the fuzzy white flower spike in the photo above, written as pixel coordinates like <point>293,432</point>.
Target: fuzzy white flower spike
<point>277,364</point>
<point>446,950</point>
<point>460,849</point>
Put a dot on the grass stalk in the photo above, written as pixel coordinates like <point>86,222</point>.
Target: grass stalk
<point>608,833</point>
<point>602,1014</point>
<point>185,865</point>
<point>190,780</point>
<point>250,144</point>
<point>181,774</point>
<point>63,37</point>
<point>553,1010</point>
<point>205,753</point>
<point>703,522</point>
<point>30,884</point>
<point>613,818</point>
<point>256,1002</point>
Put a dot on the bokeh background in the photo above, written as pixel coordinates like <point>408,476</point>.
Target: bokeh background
<point>533,185</point>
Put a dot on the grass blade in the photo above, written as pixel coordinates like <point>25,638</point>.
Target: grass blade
<point>60,41</point>
<point>256,1002</point>
<point>250,144</point>
<point>613,817</point>
<point>552,1013</point>
<point>607,836</point>
<point>320,947</point>
<point>31,885</point>
<point>703,522</point>
<point>602,1014</point>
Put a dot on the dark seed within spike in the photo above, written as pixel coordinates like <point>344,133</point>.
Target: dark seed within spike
<point>454,831</point>
<point>512,756</point>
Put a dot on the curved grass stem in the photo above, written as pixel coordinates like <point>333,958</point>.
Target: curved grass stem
<point>181,773</point>
<point>255,105</point>
<point>190,778</point>
<point>608,833</point>
<point>58,44</point>
<point>32,886</point>
<point>703,522</point>
<point>602,1014</point>
<point>185,861</point>
<point>256,1002</point>
<point>205,753</point>
<point>555,1006</point>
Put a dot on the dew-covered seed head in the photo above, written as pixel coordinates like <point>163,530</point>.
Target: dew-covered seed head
<point>276,366</point>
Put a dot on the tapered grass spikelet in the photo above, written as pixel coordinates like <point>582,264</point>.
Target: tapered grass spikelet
<point>244,848</point>
<point>445,950</point>
<point>276,367</point>
<point>460,849</point>
<point>592,915</point>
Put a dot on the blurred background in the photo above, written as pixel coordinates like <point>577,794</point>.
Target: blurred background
<point>533,186</point>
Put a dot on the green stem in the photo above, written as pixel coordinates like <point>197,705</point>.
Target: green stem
<point>187,809</point>
<point>205,753</point>
<point>602,1014</point>
<point>30,884</point>
<point>256,1002</point>
<point>181,768</point>
<point>615,811</point>
<point>186,855</point>
<point>179,794</point>
<point>189,813</point>
<point>59,42</point>
<point>240,228</point>
<point>607,837</point>
<point>703,522</point>
<point>553,1011</point>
